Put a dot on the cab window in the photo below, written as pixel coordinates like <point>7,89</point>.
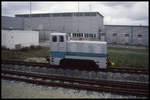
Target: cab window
<point>54,38</point>
<point>61,39</point>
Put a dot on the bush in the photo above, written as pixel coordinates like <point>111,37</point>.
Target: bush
<point>38,47</point>
<point>32,47</point>
<point>24,49</point>
<point>4,48</point>
<point>35,47</point>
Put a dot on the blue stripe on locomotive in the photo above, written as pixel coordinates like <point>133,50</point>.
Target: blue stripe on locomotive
<point>57,54</point>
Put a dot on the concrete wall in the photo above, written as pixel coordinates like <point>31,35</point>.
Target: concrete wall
<point>14,22</point>
<point>132,31</point>
<point>44,35</point>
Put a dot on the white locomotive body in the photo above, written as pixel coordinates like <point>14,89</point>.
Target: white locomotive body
<point>63,48</point>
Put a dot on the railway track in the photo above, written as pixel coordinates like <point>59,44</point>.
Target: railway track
<point>116,87</point>
<point>47,65</point>
<point>129,70</point>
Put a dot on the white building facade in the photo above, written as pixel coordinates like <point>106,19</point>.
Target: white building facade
<point>14,39</point>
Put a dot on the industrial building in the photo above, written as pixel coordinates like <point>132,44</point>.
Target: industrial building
<point>80,22</point>
<point>84,22</point>
<point>11,23</point>
<point>126,34</point>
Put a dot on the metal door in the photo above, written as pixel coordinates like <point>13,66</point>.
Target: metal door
<point>61,43</point>
<point>53,43</point>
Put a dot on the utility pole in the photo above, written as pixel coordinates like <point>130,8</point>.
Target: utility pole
<point>78,18</point>
<point>30,16</point>
<point>90,19</point>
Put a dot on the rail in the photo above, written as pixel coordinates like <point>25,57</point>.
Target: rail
<point>47,65</point>
<point>123,88</point>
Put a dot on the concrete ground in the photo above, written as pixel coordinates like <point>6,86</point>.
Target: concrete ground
<point>13,90</point>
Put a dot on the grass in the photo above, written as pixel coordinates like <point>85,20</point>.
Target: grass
<point>25,53</point>
<point>122,59</point>
<point>129,57</point>
<point>127,49</point>
<point>129,60</point>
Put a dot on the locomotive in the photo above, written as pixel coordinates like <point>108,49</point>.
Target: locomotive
<point>77,54</point>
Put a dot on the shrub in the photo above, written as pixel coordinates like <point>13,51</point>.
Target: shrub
<point>38,47</point>
<point>35,47</point>
<point>24,49</point>
<point>4,48</point>
<point>32,47</point>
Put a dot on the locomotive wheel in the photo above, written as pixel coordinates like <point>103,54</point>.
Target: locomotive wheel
<point>79,64</point>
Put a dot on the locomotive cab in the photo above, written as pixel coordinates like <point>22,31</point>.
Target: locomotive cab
<point>57,47</point>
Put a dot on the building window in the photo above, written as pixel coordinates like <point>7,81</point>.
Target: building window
<point>87,14</point>
<point>56,15</point>
<point>78,14</point>
<point>94,35</point>
<point>126,35</point>
<point>99,30</point>
<point>139,35</point>
<point>54,38</point>
<point>66,14</point>
<point>61,39</point>
<point>92,14</point>
<point>103,34</point>
<point>44,15</point>
<point>114,34</point>
<point>36,15</point>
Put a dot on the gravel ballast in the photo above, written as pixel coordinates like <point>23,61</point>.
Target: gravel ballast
<point>15,89</point>
<point>22,90</point>
<point>82,74</point>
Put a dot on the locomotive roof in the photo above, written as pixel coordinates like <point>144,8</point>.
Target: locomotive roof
<point>84,41</point>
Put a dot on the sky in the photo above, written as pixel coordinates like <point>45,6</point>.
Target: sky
<point>115,13</point>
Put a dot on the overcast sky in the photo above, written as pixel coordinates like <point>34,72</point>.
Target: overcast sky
<point>115,13</point>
